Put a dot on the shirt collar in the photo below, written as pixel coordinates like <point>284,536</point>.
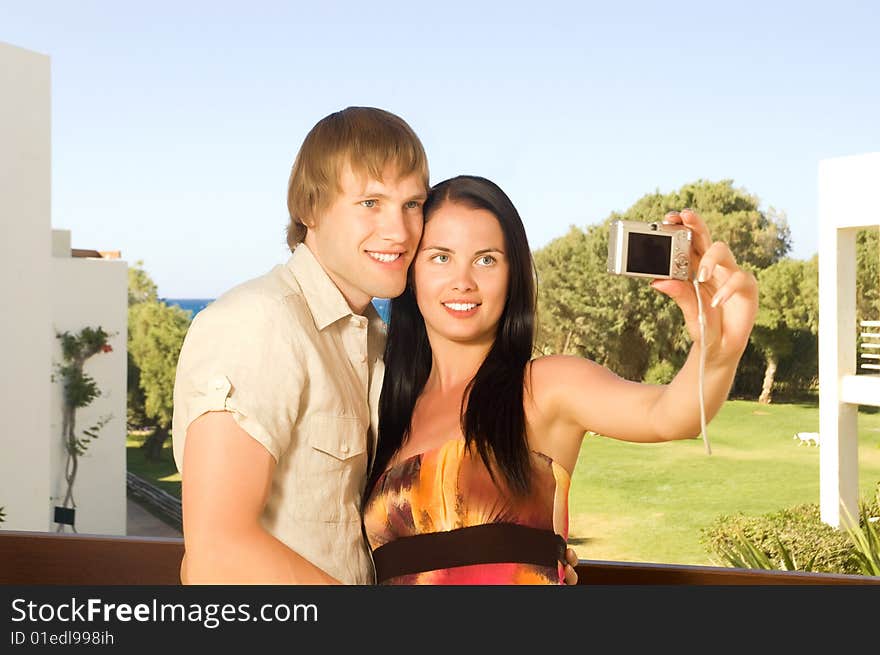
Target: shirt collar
<point>374,320</point>
<point>323,297</point>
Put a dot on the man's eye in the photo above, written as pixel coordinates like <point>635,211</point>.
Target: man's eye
<point>412,204</point>
<point>486,260</point>
<point>369,204</point>
<point>440,259</point>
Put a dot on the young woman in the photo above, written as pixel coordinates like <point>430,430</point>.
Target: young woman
<point>478,440</point>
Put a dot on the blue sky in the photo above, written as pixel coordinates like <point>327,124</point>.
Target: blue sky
<point>174,125</point>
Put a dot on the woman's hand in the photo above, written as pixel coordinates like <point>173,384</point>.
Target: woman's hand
<point>571,561</point>
<point>729,294</point>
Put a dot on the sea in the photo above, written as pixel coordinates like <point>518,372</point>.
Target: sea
<point>191,305</point>
<point>195,305</point>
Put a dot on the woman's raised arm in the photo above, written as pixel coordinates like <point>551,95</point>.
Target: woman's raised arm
<point>586,396</point>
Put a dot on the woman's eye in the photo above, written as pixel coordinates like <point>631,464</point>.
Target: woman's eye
<point>486,260</point>
<point>369,204</point>
<point>440,259</point>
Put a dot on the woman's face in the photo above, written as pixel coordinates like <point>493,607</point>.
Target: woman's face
<point>460,274</point>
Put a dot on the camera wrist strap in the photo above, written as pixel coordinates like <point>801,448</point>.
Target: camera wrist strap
<point>702,366</point>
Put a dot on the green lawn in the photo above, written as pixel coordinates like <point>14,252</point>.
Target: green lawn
<point>163,473</point>
<point>647,502</point>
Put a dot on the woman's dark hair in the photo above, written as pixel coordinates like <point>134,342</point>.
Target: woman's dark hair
<point>494,421</point>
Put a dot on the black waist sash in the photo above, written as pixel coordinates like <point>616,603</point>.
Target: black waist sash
<point>492,543</point>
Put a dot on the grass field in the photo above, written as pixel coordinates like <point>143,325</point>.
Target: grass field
<point>163,473</point>
<point>647,502</point>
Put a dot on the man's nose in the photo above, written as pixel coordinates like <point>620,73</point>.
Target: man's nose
<point>394,226</point>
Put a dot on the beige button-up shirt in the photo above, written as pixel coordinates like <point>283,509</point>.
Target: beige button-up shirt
<point>301,374</point>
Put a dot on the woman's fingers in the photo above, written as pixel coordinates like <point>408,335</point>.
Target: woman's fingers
<point>571,561</point>
<point>718,255</point>
<point>672,217</point>
<point>721,281</point>
<point>683,295</point>
<point>716,268</point>
<point>701,239</point>
<point>691,220</point>
<point>739,281</point>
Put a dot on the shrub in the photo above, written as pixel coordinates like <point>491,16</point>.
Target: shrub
<point>795,534</point>
<point>660,373</point>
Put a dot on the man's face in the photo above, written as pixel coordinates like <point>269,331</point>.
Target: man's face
<point>367,238</point>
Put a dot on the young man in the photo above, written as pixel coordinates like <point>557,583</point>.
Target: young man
<point>276,395</point>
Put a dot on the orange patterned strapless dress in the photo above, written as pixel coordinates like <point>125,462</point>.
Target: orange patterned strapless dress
<point>438,518</point>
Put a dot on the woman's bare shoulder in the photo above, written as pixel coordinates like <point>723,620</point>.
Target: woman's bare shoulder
<point>550,378</point>
<point>553,370</point>
<point>553,385</point>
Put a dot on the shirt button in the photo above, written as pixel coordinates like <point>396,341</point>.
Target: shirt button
<point>363,359</point>
<point>343,449</point>
<point>219,383</point>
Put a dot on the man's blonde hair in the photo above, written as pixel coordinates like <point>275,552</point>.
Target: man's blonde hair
<point>365,138</point>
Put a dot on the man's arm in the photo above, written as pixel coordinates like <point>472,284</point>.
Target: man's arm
<point>226,481</point>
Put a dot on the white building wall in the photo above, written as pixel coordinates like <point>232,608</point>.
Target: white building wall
<point>93,293</point>
<point>25,315</point>
<point>39,296</point>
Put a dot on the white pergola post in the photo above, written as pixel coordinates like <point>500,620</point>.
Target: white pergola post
<point>849,200</point>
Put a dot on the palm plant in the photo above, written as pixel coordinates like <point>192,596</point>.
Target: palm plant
<point>865,536</point>
<point>742,553</point>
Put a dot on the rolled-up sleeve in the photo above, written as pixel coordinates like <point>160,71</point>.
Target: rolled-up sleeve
<point>240,355</point>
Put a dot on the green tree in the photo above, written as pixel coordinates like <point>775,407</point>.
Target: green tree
<point>136,413</point>
<point>622,322</point>
<point>788,305</point>
<point>585,311</point>
<point>868,274</point>
<point>141,288</point>
<point>156,332</point>
<point>867,288</point>
<point>560,305</point>
<point>756,238</point>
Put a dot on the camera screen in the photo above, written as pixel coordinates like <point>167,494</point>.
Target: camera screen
<point>648,253</point>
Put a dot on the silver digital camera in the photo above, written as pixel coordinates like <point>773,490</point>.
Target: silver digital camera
<point>655,250</point>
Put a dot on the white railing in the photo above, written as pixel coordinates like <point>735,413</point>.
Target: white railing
<point>870,353</point>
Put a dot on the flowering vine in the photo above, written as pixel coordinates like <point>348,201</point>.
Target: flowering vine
<point>80,389</point>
